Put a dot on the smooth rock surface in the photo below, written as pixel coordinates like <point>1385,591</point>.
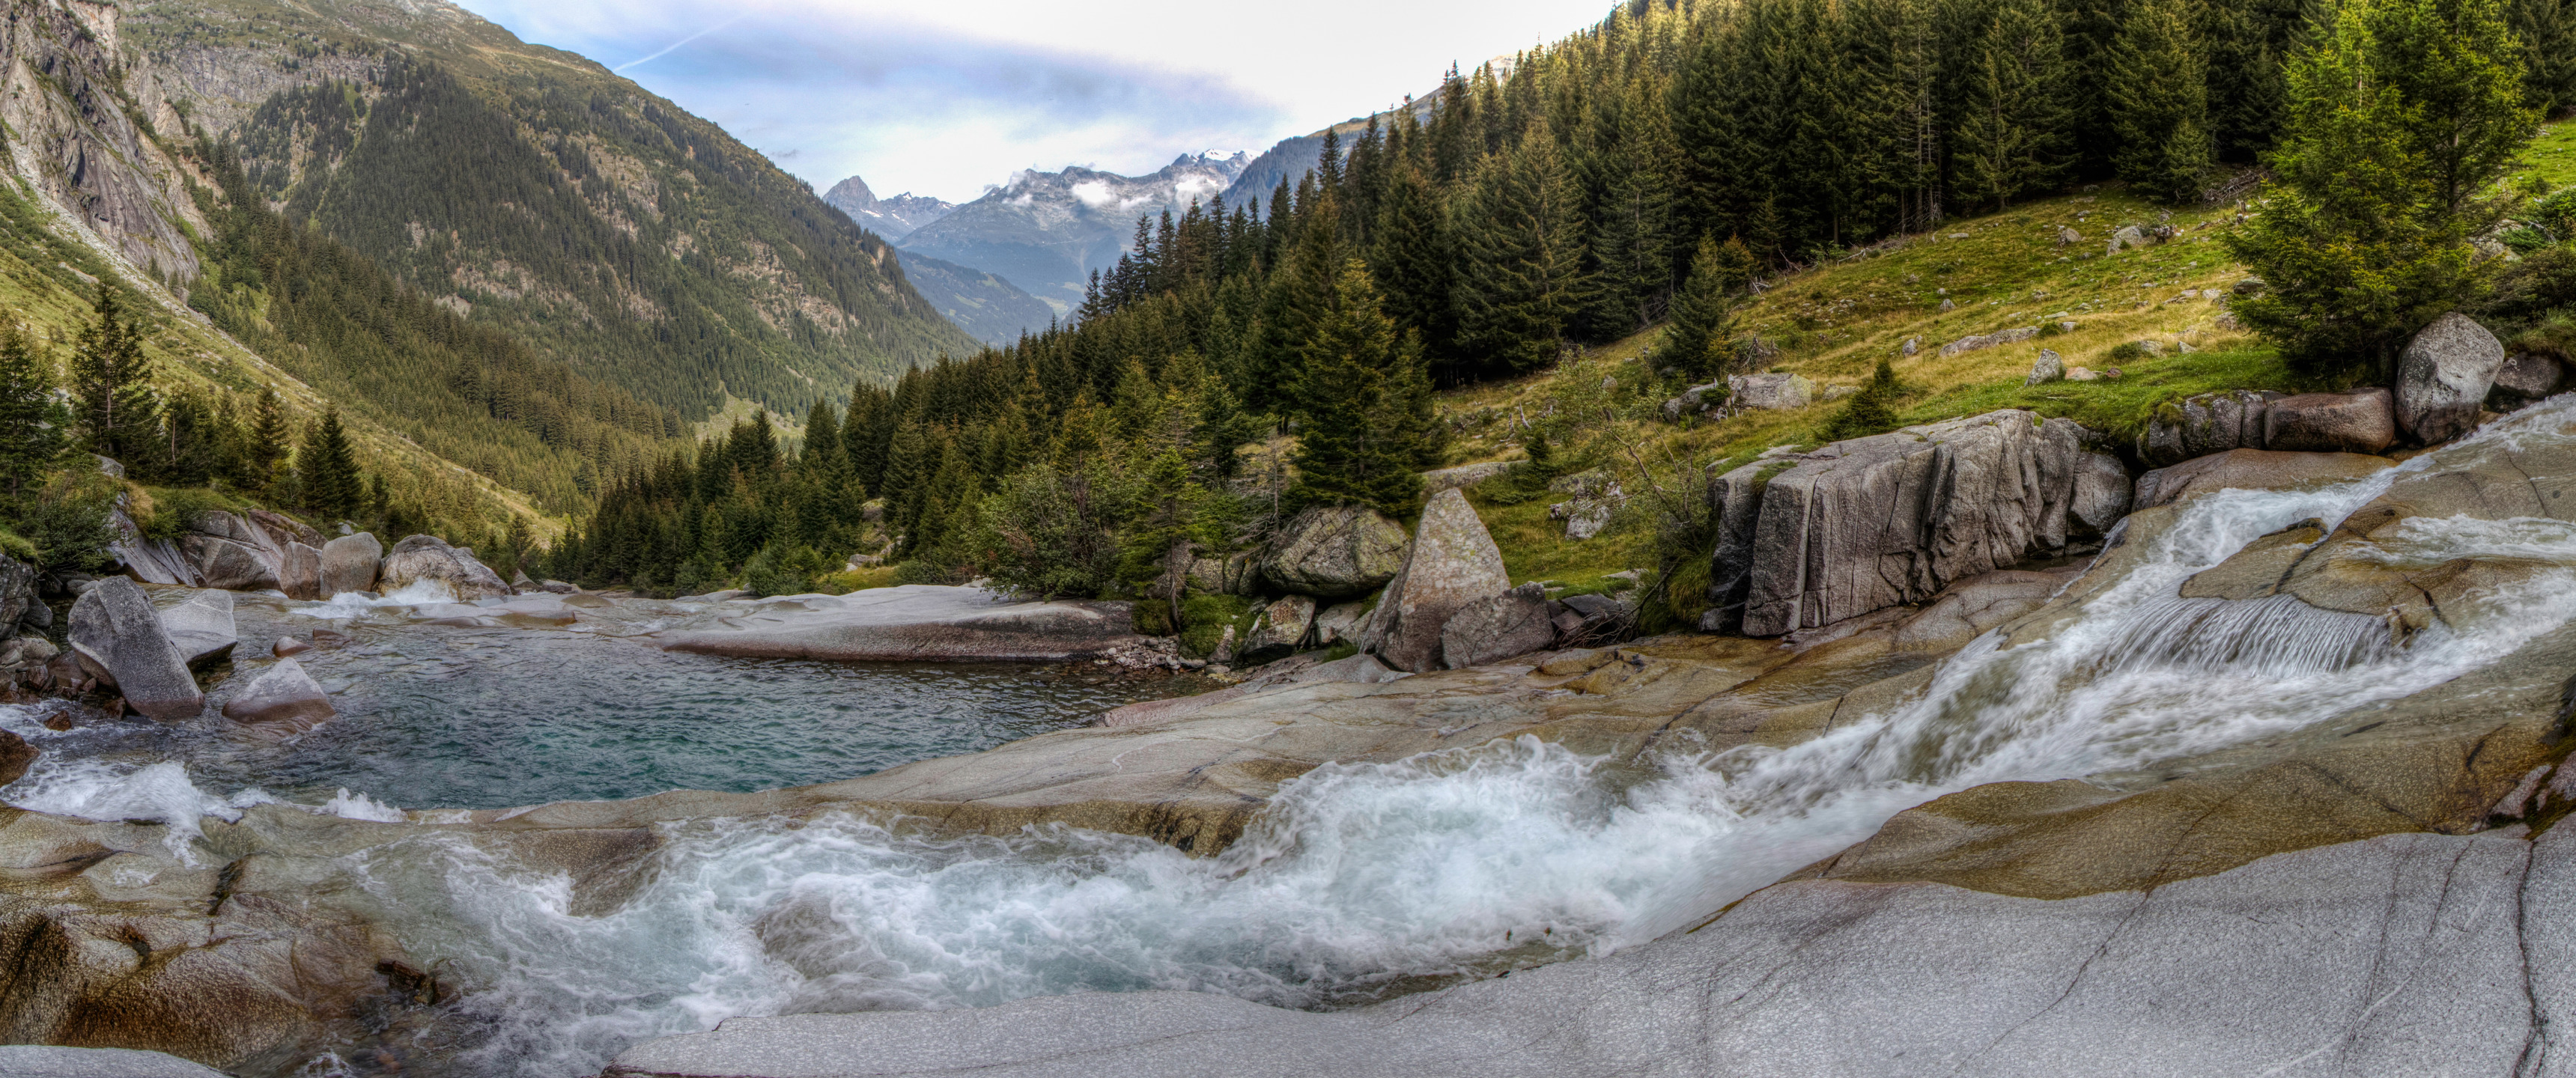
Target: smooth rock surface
<point>1498,627</point>
<point>2528,376</point>
<point>420,558</point>
<point>224,563</point>
<point>299,571</point>
<point>15,757</point>
<point>1453,562</point>
<point>45,1061</point>
<point>915,622</point>
<point>2443,378</point>
<point>119,639</point>
<point>201,626</point>
<point>1770,392</point>
<point>2361,421</point>
<point>349,563</point>
<point>2254,469</point>
<point>281,695</point>
<point>1334,552</point>
<point>1816,538</point>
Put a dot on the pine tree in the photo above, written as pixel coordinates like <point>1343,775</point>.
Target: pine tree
<point>1697,340</point>
<point>31,423</point>
<point>2547,29</point>
<point>1523,282</point>
<point>331,485</point>
<point>1632,244</point>
<point>1363,404</point>
<point>1414,258</point>
<point>1870,411</point>
<point>112,385</point>
<point>2158,90</point>
<point>2011,137</point>
<point>267,440</point>
<point>2401,120</point>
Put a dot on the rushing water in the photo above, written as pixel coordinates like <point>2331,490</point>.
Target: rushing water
<point>1360,880</point>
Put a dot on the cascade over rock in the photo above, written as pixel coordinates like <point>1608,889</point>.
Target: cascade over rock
<point>428,558</point>
<point>1814,538</point>
<point>2257,469</point>
<point>1453,562</point>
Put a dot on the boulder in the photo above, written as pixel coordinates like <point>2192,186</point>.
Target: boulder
<point>299,571</point>
<point>1339,623</point>
<point>1982,341</point>
<point>201,626</point>
<point>1498,627</point>
<point>2206,424</point>
<point>1233,574</point>
<point>1770,392</point>
<point>2049,367</point>
<point>282,530</point>
<point>119,640</point>
<point>1592,620</point>
<point>282,695</point>
<point>420,558</point>
<point>1583,519</point>
<point>2526,376</point>
<point>2444,376</point>
<point>911,623</point>
<point>559,587</point>
<point>1810,539</point>
<point>2126,236</point>
<point>1335,552</point>
<point>1465,475</point>
<point>228,564</point>
<point>288,646</point>
<point>349,563</point>
<point>1280,631</point>
<point>2254,469</point>
<point>16,756</point>
<point>2357,422</point>
<point>18,598</point>
<point>1453,562</point>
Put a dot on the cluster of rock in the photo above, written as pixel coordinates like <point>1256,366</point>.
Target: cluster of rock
<point>263,551</point>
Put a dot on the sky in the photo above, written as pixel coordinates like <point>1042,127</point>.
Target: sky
<point>947,98</point>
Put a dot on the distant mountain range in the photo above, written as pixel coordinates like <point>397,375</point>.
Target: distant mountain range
<point>893,218</point>
<point>993,310</point>
<point>1046,231</point>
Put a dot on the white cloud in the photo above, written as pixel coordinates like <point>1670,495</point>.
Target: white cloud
<point>948,98</point>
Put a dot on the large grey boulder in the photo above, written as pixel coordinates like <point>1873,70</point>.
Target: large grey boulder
<point>2527,376</point>
<point>1281,629</point>
<point>911,623</point>
<point>2206,424</point>
<point>1770,392</point>
<point>349,563</point>
<point>228,564</point>
<point>299,572</point>
<point>18,596</point>
<point>1335,552</point>
<point>282,695</point>
<point>2251,469</point>
<point>1453,562</point>
<point>282,530</point>
<point>1810,539</point>
<point>1981,341</point>
<point>2444,376</point>
<point>201,626</point>
<point>421,558</point>
<point>2362,421</point>
<point>119,639</point>
<point>1498,627</point>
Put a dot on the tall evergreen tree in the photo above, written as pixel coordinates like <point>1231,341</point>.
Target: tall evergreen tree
<point>331,485</point>
<point>2158,89</point>
<point>2547,29</point>
<point>267,441</point>
<point>1632,242</point>
<point>31,423</point>
<point>2012,133</point>
<point>1523,281</point>
<point>1415,259</point>
<point>1363,402</point>
<point>120,415</point>
<point>1697,340</point>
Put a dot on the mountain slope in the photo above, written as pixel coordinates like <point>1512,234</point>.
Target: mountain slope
<point>980,302</point>
<point>538,193</point>
<point>1046,231</point>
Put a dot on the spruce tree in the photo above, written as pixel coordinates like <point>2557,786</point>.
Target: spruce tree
<point>1697,339</point>
<point>1632,243</point>
<point>2012,133</point>
<point>2402,118</point>
<point>1363,405</point>
<point>1414,260</point>
<point>112,385</point>
<point>31,423</point>
<point>2158,90</point>
<point>267,440</point>
<point>331,485</point>
<point>2547,29</point>
<point>1524,280</point>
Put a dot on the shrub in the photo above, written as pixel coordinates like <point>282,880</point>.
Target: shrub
<point>1870,411</point>
<point>167,514</point>
<point>1204,618</point>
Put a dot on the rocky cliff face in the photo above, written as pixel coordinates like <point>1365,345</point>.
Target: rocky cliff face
<point>893,218</point>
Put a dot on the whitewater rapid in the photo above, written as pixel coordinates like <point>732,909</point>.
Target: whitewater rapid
<point>1362,880</point>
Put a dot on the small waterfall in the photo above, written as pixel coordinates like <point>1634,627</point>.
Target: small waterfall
<point>2279,635</point>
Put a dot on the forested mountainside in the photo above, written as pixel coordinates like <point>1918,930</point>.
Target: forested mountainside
<point>535,192</point>
<point>994,310</point>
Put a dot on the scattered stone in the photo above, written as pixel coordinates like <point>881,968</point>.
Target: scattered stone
<point>283,695</point>
<point>2048,368</point>
<point>1583,519</point>
<point>2357,422</point>
<point>559,587</point>
<point>1981,342</point>
<point>1911,346</point>
<point>1771,392</point>
<point>287,646</point>
<point>1282,627</point>
<point>349,563</point>
<point>2526,376</point>
<point>15,757</point>
<point>1498,627</point>
<point>428,558</point>
<point>2127,236</point>
<point>2067,236</point>
<point>2254,469</point>
<point>2066,327</point>
<point>2206,424</point>
<point>1949,305</point>
<point>2083,374</point>
<point>119,640</point>
<point>1334,552</point>
<point>1452,562</point>
<point>201,627</point>
<point>2444,376</point>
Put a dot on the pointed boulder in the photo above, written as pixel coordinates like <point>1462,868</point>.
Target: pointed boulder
<point>119,639</point>
<point>283,695</point>
<point>1452,562</point>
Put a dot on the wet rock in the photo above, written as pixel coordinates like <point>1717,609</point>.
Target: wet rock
<point>15,757</point>
<point>2252,469</point>
<point>1282,628</point>
<point>201,626</point>
<point>119,640</point>
<point>2526,377</point>
<point>2047,368</point>
<point>47,1061</point>
<point>2357,422</point>
<point>2444,376</point>
<point>282,695</point>
<point>349,563</point>
<point>1495,628</point>
<point>1892,519</point>
<point>915,623</point>
<point>2206,424</point>
<point>299,571</point>
<point>1770,392</point>
<point>288,646</point>
<point>1334,552</point>
<point>2256,571</point>
<point>1452,562</point>
<point>420,558</point>
<point>559,587</point>
<point>1972,606</point>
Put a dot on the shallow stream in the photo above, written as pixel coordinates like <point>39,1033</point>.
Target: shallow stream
<point>1357,881</point>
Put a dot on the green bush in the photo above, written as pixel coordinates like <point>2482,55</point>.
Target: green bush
<point>1870,411</point>
<point>14,546</point>
<point>2128,352</point>
<point>173,511</point>
<point>67,522</point>
<point>1204,618</point>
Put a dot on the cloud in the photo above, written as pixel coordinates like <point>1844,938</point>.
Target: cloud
<point>947,99</point>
